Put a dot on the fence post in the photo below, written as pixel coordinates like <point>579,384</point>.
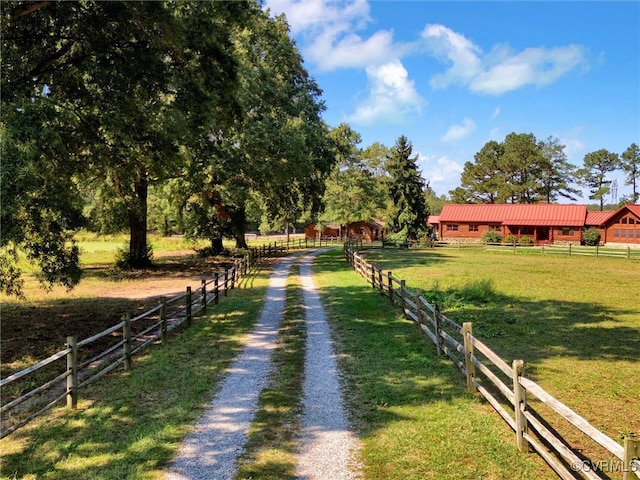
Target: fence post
<point>390,280</point>
<point>216,288</point>
<point>373,277</point>
<point>467,331</point>
<point>631,451</point>
<point>234,272</point>
<point>438,321</point>
<point>628,253</point>
<point>204,295</point>
<point>381,283</point>
<point>188,302</point>
<point>418,307</point>
<point>72,370</point>
<point>569,249</point>
<point>226,281</point>
<point>126,331</point>
<point>163,321</point>
<point>520,405</point>
<point>403,284</point>
<point>597,248</point>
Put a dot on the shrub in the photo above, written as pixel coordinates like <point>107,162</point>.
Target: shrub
<point>526,241</point>
<point>492,237</point>
<point>591,237</point>
<point>478,291</point>
<point>125,260</point>
<point>510,240</point>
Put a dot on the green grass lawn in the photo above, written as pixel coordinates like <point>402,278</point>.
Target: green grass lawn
<point>575,321</point>
<point>416,419</point>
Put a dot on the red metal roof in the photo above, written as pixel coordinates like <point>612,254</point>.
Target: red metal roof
<point>598,218</point>
<point>537,214</point>
<point>634,208</point>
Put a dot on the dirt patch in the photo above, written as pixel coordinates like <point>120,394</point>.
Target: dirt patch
<point>33,329</point>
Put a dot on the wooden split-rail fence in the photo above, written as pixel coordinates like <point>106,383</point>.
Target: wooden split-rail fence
<point>64,374</point>
<point>504,385</point>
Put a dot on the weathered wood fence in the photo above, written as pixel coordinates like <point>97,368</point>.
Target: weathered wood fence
<point>117,345</point>
<point>568,250</point>
<point>504,386</point>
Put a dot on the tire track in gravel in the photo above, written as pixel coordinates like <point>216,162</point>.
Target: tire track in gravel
<point>329,448</point>
<point>211,450</point>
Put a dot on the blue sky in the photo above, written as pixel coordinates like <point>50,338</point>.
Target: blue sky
<point>453,75</point>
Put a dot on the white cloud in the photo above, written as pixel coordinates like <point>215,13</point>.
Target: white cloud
<point>350,51</point>
<point>442,173</point>
<point>533,66</point>
<point>456,132</point>
<point>446,44</point>
<point>499,71</point>
<point>392,95</point>
<point>328,27</point>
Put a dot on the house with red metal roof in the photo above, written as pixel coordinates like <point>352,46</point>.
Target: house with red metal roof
<point>541,222</point>
<point>621,226</point>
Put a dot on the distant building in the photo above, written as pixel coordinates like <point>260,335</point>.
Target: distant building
<point>365,230</point>
<point>541,222</point>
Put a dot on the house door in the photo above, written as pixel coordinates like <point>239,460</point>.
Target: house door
<point>543,234</point>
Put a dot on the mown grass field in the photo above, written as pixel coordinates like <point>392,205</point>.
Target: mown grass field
<point>575,321</point>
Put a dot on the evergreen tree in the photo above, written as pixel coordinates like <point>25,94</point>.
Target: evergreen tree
<point>407,211</point>
<point>594,173</point>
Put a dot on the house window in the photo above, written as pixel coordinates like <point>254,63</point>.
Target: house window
<point>452,228</point>
<point>630,233</point>
<point>565,231</point>
<point>623,233</point>
<point>624,221</point>
<point>632,221</point>
<point>473,228</point>
<point>526,230</point>
<point>494,228</point>
<point>637,233</point>
<point>616,233</point>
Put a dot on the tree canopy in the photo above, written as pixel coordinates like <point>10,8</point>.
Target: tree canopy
<point>520,169</point>
<point>597,165</point>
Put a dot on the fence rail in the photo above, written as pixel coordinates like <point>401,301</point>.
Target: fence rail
<point>583,250</point>
<point>504,386</point>
<point>89,359</point>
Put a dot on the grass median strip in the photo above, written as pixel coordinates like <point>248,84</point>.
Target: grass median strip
<point>270,452</point>
<point>129,425</point>
<point>411,407</point>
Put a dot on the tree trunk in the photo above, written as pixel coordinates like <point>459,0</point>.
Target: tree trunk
<point>238,222</point>
<point>139,251</point>
<point>216,245</point>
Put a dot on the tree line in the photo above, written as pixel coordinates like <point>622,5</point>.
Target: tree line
<point>200,110</point>
<point>522,169</point>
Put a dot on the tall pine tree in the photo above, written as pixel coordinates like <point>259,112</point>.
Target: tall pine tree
<point>407,212</point>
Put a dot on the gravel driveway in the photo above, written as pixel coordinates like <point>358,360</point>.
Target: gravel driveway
<point>327,447</point>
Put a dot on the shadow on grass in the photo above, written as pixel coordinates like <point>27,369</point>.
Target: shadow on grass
<point>172,266</point>
<point>530,330</point>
